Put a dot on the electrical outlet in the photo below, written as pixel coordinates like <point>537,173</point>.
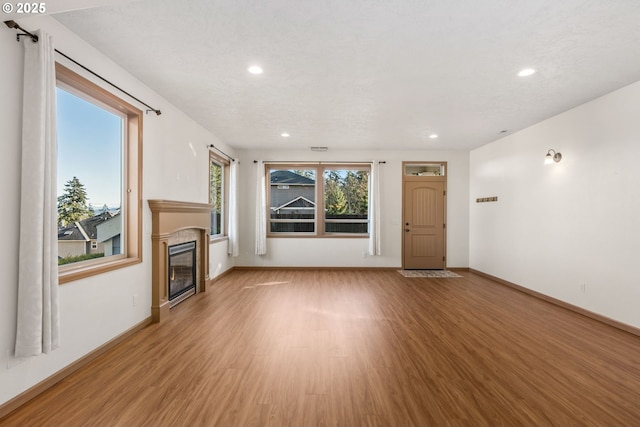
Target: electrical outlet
<point>583,287</point>
<point>135,300</point>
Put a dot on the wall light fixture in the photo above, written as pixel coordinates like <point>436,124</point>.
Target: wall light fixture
<point>552,156</point>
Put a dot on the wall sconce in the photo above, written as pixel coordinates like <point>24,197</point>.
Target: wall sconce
<point>552,156</point>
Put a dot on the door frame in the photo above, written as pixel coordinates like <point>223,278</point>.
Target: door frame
<point>442,178</point>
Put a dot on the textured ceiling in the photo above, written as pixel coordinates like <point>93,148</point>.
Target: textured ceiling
<point>369,74</point>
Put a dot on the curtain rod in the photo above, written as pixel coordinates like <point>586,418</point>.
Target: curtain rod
<point>221,152</point>
<point>34,38</point>
<point>317,163</point>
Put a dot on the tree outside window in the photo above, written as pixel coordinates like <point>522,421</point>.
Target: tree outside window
<point>218,191</point>
<point>216,197</point>
<point>346,194</point>
<point>72,204</point>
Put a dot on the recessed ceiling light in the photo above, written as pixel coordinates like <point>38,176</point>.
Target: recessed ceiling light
<point>285,135</point>
<point>526,72</point>
<point>255,69</point>
<point>433,136</point>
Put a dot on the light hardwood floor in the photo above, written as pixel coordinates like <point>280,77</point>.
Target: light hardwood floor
<point>355,348</point>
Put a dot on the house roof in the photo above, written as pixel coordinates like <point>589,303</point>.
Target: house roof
<point>298,202</point>
<point>85,229</point>
<point>70,233</point>
<point>285,177</point>
<point>105,231</point>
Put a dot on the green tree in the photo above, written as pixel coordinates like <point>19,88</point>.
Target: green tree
<point>355,187</point>
<point>215,186</point>
<point>363,192</point>
<point>215,196</point>
<point>105,209</point>
<point>334,201</point>
<point>72,204</point>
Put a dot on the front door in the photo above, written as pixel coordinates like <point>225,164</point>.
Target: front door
<point>424,244</point>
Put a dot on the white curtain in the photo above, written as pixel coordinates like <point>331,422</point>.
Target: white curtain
<point>38,323</point>
<point>374,209</point>
<point>261,210</point>
<point>233,209</point>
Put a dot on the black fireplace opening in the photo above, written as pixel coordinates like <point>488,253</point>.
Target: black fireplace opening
<point>182,271</point>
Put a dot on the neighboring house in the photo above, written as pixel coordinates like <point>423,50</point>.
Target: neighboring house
<point>81,237</point>
<point>299,205</point>
<point>109,233</point>
<point>72,240</point>
<point>292,194</point>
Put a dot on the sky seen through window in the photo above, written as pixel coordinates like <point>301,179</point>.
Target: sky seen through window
<point>89,148</point>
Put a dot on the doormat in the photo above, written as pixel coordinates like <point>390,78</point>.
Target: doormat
<point>428,273</point>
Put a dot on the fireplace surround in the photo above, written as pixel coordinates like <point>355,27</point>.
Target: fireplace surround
<point>175,223</point>
<point>182,272</point>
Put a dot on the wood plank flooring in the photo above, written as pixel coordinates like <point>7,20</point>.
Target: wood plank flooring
<point>355,348</point>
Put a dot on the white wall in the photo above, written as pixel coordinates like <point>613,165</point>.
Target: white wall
<point>219,261</point>
<point>349,252</point>
<point>557,227</point>
<point>175,167</point>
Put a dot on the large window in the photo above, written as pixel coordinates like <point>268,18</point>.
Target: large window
<point>322,200</point>
<point>218,190</point>
<point>99,184</point>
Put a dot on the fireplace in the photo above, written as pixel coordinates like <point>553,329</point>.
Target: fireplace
<point>182,272</point>
<point>179,248</point>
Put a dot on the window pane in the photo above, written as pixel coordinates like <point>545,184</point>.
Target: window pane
<point>90,143</point>
<point>292,227</point>
<point>347,227</point>
<point>216,197</point>
<point>292,197</point>
<point>346,200</point>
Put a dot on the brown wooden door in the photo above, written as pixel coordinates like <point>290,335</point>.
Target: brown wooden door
<point>424,225</point>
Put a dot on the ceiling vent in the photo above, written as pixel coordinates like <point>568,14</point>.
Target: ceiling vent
<point>319,148</point>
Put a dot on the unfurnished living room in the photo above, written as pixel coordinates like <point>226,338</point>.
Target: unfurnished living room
<point>296,213</point>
